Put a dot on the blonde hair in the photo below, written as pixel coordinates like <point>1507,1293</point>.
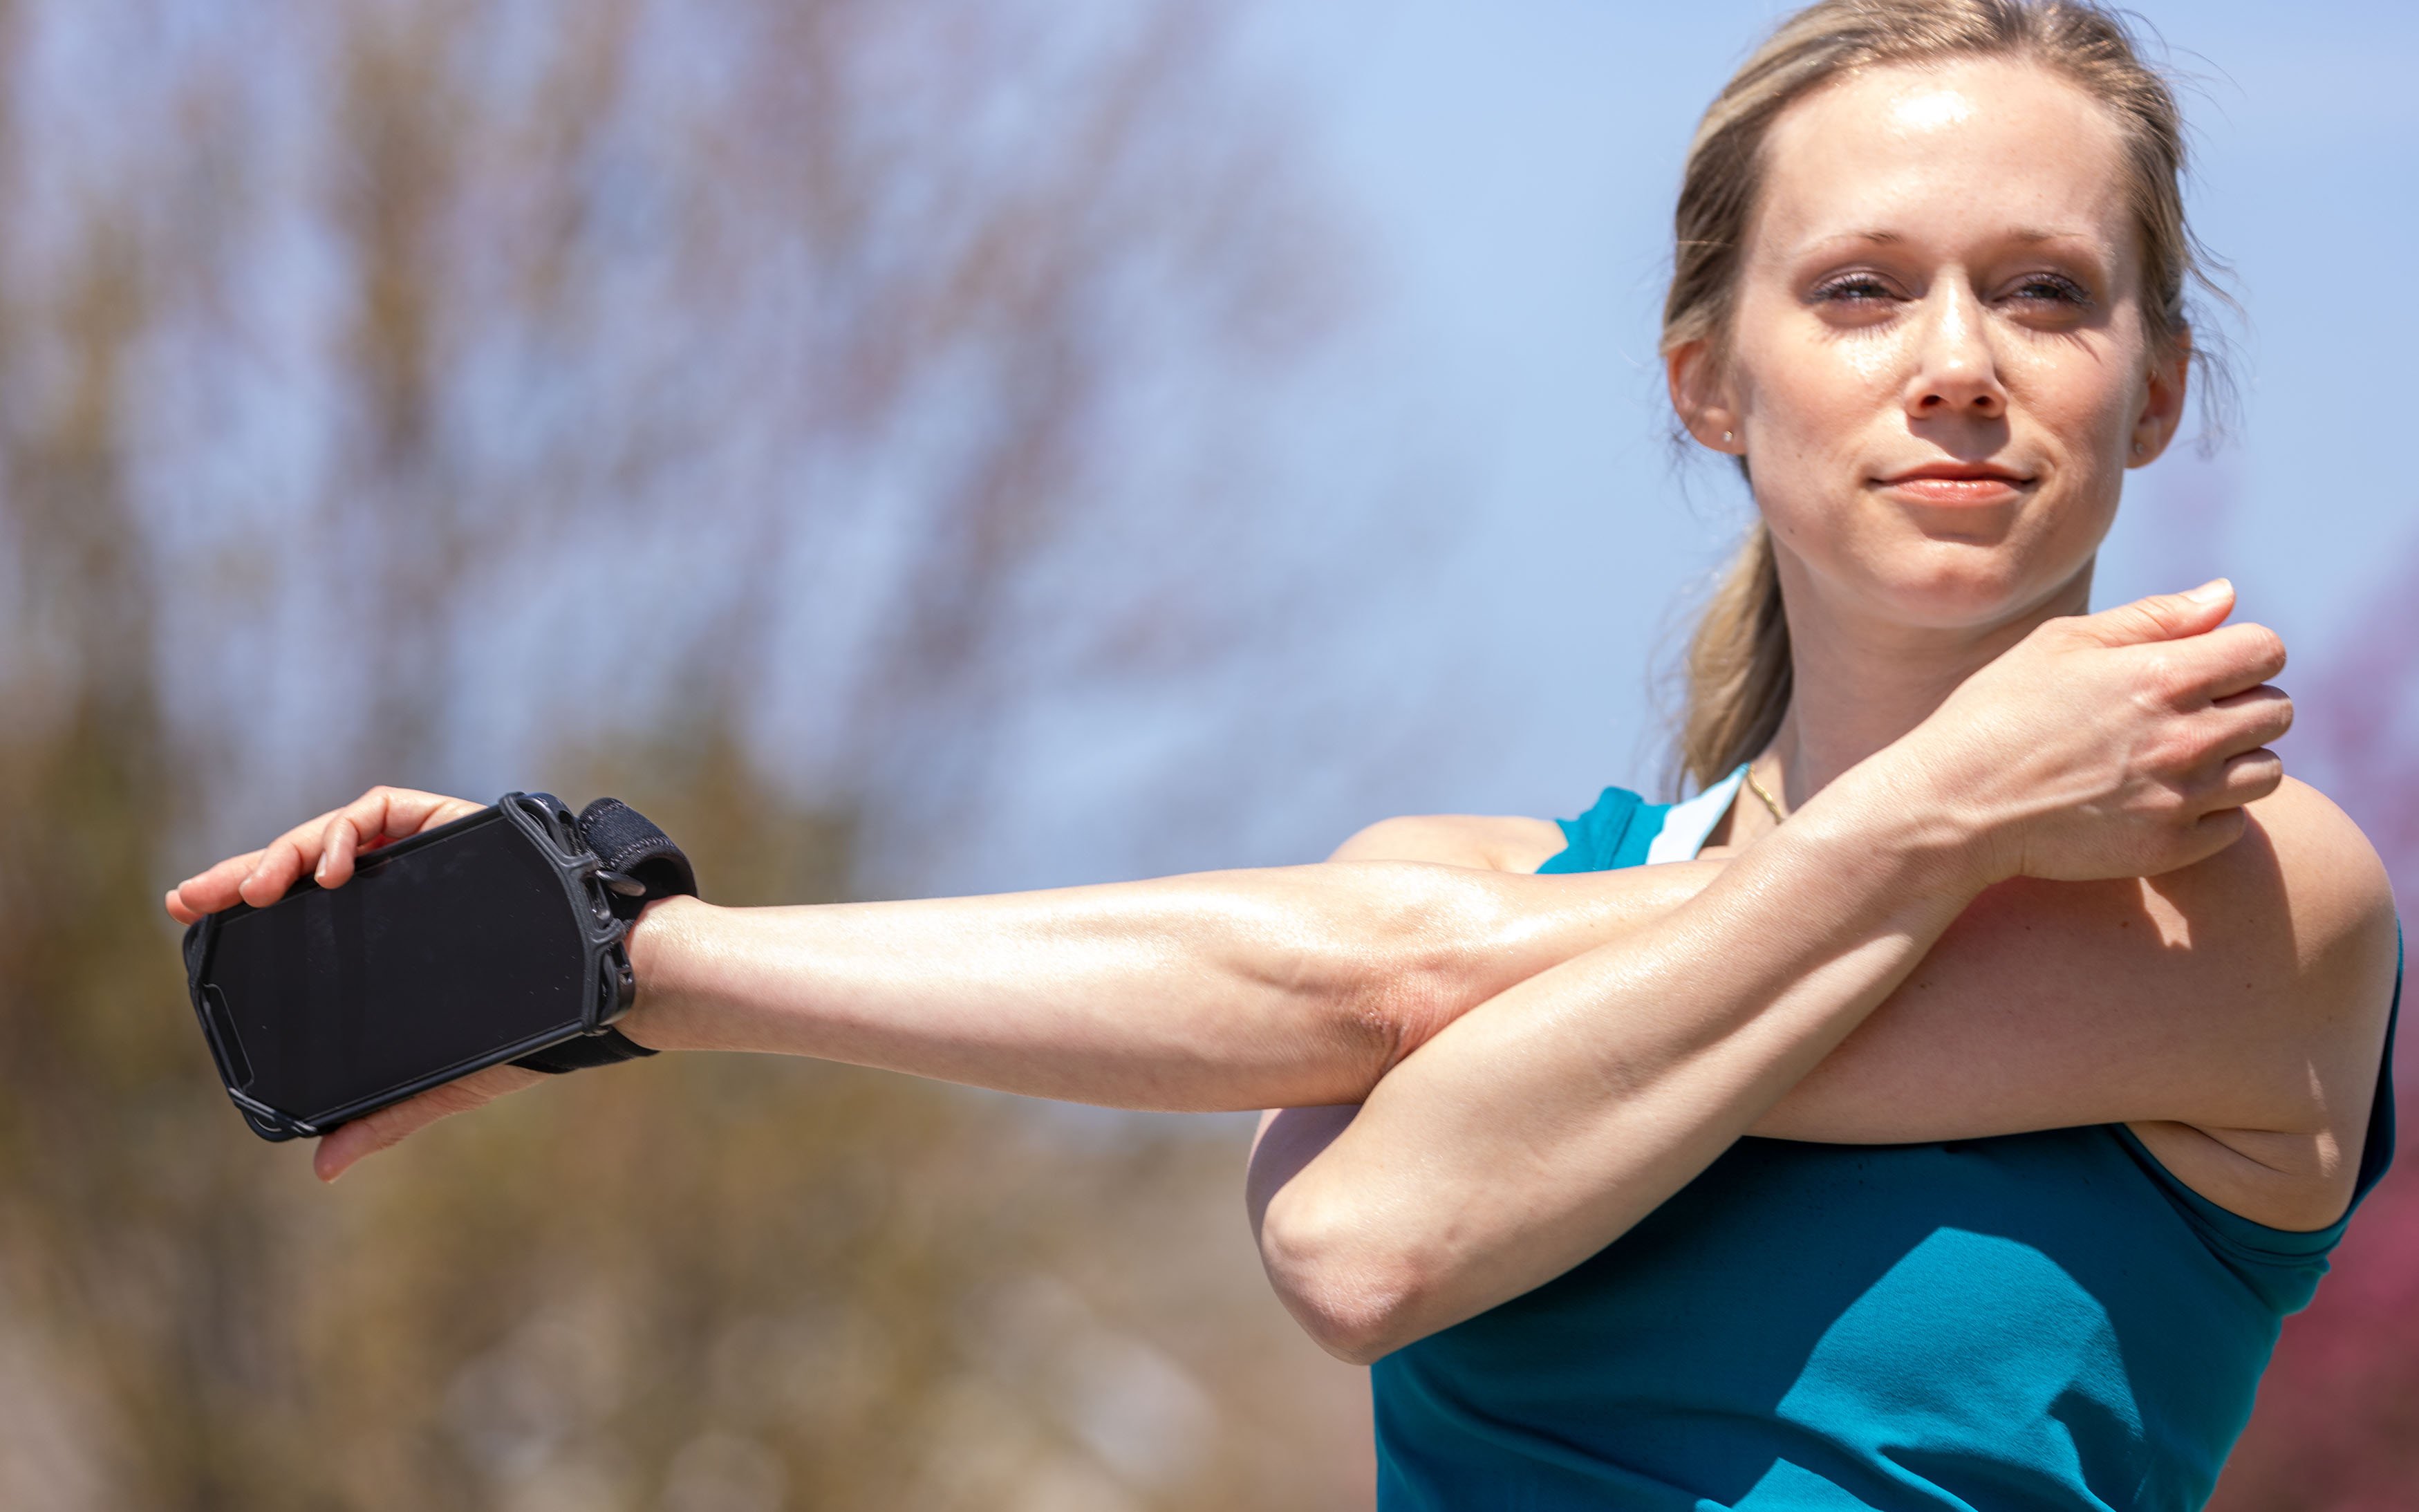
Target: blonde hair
<point>1737,666</point>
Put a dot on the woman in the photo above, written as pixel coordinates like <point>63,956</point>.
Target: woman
<point>2056,1015</point>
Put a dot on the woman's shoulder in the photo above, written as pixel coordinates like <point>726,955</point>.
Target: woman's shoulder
<point>2330,869</point>
<point>2290,949</point>
<point>1494,842</point>
<point>2304,888</point>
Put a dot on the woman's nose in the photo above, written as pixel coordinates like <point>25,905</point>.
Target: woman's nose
<point>1957,374</point>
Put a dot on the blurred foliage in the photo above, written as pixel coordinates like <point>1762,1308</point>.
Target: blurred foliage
<point>373,373</point>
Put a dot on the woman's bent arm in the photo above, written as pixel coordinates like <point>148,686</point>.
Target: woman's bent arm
<point>1538,1128</point>
<point>1532,1130</point>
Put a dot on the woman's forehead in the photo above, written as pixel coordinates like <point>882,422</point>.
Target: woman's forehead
<point>1982,148</point>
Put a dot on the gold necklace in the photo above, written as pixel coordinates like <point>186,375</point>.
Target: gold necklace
<point>1769,801</point>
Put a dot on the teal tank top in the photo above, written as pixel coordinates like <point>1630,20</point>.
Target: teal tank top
<point>2043,1320</point>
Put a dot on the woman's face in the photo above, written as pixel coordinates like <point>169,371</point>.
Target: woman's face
<point>1937,366</point>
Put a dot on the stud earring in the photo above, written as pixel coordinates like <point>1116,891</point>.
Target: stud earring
<point>1726,436</point>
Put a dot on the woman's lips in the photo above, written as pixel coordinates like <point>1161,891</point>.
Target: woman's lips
<point>1958,491</point>
<point>1957,487</point>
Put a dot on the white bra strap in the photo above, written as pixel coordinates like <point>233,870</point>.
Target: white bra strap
<point>1687,825</point>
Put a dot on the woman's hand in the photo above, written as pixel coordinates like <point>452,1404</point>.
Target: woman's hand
<point>2120,744</point>
<point>326,847</point>
<point>390,1125</point>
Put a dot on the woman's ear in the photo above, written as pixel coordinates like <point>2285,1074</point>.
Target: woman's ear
<point>2163,403</point>
<point>1701,398</point>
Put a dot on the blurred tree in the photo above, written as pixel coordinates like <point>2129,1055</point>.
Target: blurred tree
<point>409,389</point>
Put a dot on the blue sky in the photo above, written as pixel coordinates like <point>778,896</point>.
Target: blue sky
<point>1504,174</point>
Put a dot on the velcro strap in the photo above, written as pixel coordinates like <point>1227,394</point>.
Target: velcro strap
<point>582,1051</point>
<point>627,842</point>
<point>630,845</point>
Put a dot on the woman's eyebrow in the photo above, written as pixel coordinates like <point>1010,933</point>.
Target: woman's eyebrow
<point>1874,238</point>
<point>2029,236</point>
<point>1822,242</point>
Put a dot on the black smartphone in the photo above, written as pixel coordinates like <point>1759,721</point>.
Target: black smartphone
<point>460,947</point>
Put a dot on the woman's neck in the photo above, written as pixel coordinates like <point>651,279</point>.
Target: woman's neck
<point>1859,683</point>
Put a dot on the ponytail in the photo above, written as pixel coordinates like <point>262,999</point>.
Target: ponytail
<point>1739,676</point>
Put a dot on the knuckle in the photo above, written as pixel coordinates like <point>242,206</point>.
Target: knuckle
<point>2166,676</point>
<point>2267,646</point>
<point>2175,749</point>
<point>2156,762</point>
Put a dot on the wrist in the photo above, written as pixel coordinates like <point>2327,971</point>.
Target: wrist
<point>661,943</point>
<point>1893,808</point>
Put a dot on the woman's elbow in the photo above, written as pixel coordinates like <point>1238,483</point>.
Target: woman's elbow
<point>1357,1299</point>
<point>1430,953</point>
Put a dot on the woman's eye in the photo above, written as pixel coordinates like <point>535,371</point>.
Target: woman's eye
<point>2051,288</point>
<point>1856,288</point>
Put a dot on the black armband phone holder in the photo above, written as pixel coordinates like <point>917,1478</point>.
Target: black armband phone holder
<point>499,938</point>
<point>636,864</point>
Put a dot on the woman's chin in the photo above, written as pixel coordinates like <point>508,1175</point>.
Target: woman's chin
<point>1892,567</point>
<point>1969,600</point>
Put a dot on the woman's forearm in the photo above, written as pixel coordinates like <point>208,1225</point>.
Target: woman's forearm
<point>1542,1124</point>
<point>1225,990</point>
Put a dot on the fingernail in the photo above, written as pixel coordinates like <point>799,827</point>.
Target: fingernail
<point>320,873</point>
<point>2211,592</point>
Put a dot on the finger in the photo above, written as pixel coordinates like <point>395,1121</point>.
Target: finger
<point>282,861</point>
<point>2234,658</point>
<point>344,1147</point>
<point>338,843</point>
<point>2217,829</point>
<point>384,813</point>
<point>209,891</point>
<point>381,814</point>
<point>2162,616</point>
<point>2260,716</point>
<point>2247,778</point>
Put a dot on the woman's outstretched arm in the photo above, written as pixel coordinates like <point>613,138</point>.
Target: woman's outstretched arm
<point>1236,990</point>
<point>1209,992</point>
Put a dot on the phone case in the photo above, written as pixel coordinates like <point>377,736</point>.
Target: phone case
<point>608,987</point>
